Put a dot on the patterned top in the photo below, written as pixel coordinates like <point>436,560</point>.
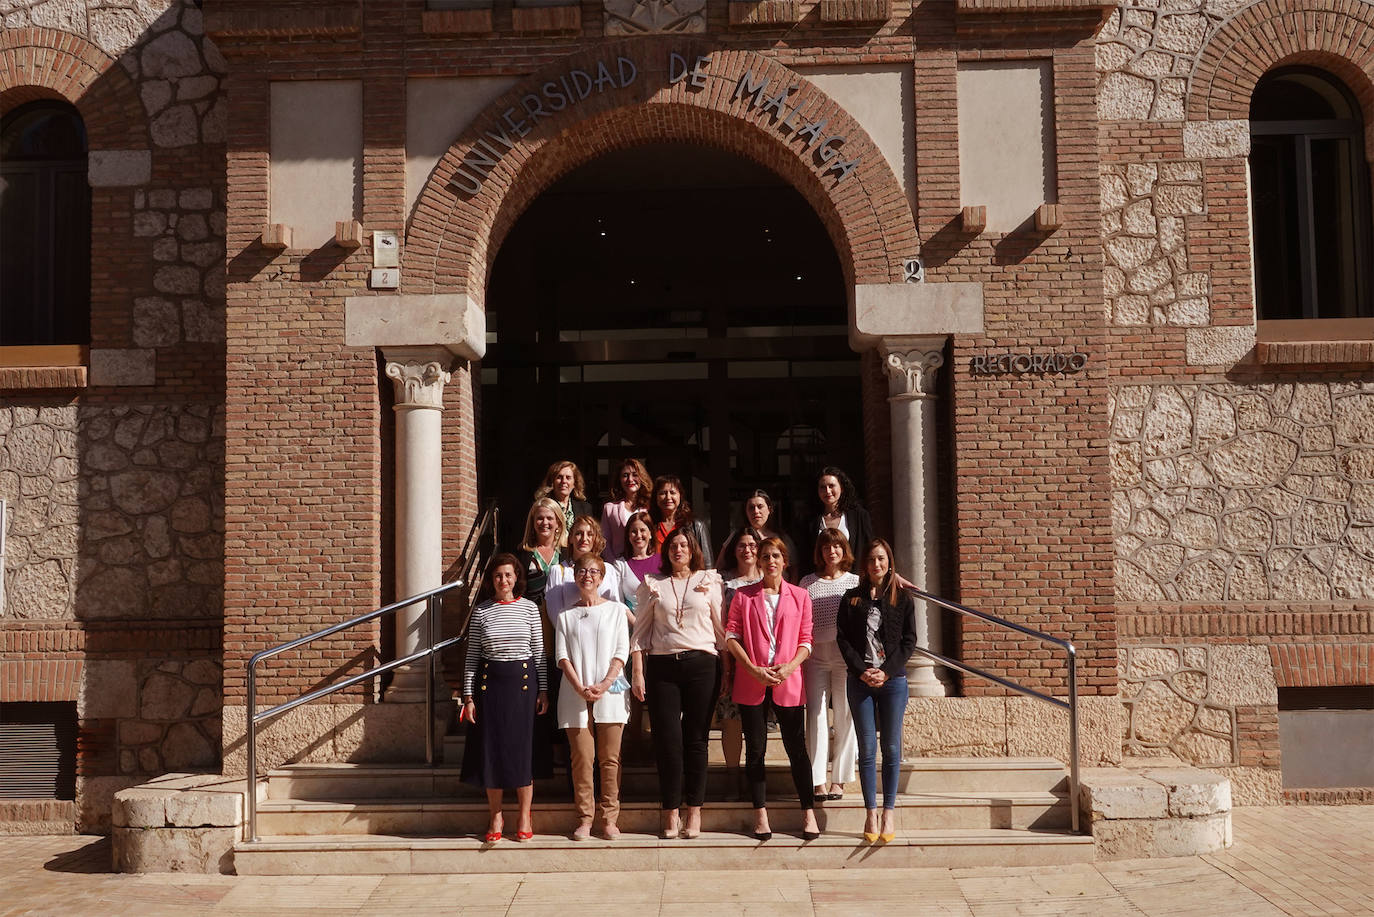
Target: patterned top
<point>825,602</point>
<point>735,585</point>
<point>505,632</point>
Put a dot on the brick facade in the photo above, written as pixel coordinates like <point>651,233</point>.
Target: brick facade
<point>244,497</point>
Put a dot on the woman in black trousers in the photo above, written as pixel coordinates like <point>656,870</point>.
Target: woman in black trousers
<point>677,639</point>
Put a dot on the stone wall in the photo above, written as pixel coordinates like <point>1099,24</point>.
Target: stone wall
<point>1146,52</point>
<point>39,473</point>
<point>115,512</point>
<point>1256,496</point>
<point>152,512</point>
<point>1243,493</point>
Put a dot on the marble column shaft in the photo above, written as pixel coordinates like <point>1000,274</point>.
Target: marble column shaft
<point>419,385</point>
<point>911,366</point>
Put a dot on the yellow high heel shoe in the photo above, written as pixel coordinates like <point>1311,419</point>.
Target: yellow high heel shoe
<point>871,837</point>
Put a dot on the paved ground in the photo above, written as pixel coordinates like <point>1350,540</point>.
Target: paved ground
<point>1294,861</point>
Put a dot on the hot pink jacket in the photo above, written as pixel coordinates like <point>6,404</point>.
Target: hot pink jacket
<point>748,620</point>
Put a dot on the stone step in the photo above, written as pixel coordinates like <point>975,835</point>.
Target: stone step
<point>344,781</point>
<point>386,855</point>
<point>445,817</point>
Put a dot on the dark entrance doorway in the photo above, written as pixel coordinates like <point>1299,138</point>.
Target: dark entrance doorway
<point>679,305</point>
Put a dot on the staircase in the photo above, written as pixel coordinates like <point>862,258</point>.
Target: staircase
<point>378,819</point>
<point>371,819</point>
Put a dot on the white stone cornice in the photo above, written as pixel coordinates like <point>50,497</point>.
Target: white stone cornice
<point>912,373</point>
<point>418,384</point>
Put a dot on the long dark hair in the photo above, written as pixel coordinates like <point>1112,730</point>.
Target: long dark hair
<point>849,497</point>
<point>505,558</point>
<point>684,517</point>
<point>888,588</point>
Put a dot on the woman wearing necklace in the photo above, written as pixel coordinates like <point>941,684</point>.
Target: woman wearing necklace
<point>769,634</point>
<point>564,485</point>
<point>677,639</point>
<point>839,509</point>
<point>670,511</point>
<point>629,494</point>
<point>592,645</point>
<point>876,634</point>
<point>505,653</point>
<point>539,548</point>
<point>825,672</point>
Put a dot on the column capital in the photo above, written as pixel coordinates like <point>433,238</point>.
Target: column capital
<point>419,383</point>
<point>911,366</point>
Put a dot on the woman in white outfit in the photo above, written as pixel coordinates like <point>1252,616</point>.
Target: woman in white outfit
<point>825,671</point>
<point>561,591</point>
<point>591,646</point>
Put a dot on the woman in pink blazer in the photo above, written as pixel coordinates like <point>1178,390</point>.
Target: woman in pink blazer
<point>769,633</point>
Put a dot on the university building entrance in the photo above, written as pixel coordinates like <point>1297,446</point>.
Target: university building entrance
<point>676,304</point>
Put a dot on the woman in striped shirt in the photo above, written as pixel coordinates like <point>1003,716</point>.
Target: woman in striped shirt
<point>505,652</point>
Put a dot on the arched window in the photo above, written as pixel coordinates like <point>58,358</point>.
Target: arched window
<point>45,227</point>
<point>1309,197</point>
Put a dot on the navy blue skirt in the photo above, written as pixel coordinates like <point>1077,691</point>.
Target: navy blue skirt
<point>497,753</point>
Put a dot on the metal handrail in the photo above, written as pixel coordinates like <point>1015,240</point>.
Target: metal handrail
<point>467,563</point>
<point>1071,664</point>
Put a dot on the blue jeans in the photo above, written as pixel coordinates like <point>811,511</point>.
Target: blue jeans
<point>878,710</point>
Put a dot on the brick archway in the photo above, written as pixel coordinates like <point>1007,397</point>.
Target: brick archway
<point>1276,33</point>
<point>455,231</point>
<point>38,63</point>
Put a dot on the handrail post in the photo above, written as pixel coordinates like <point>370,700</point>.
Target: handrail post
<point>1073,735</point>
<point>431,607</point>
<point>252,735</point>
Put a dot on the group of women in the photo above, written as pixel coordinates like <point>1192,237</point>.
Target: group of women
<point>635,592</point>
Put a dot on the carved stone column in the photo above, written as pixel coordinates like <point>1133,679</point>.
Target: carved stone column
<point>911,365</point>
<point>419,375</point>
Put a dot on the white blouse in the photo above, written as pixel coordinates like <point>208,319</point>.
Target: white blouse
<point>590,638</point>
<point>561,590</point>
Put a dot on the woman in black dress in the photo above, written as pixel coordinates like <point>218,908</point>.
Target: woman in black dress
<point>505,654</point>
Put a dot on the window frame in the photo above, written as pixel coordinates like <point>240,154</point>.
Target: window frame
<point>1301,133</point>
<point>46,227</point>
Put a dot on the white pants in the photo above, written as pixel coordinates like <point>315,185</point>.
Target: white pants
<point>825,676</point>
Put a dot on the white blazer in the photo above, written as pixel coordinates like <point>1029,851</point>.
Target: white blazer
<point>590,638</point>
